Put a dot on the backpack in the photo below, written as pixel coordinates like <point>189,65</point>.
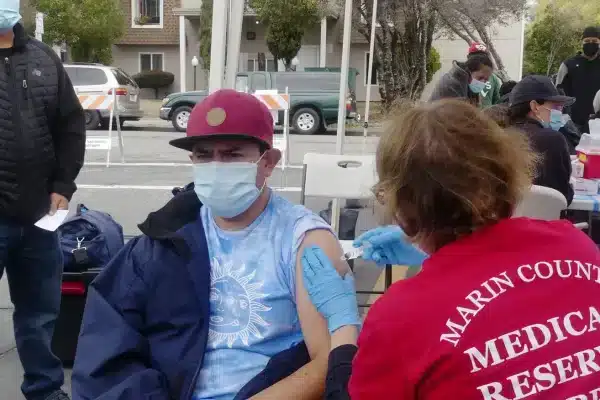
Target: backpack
<point>89,239</point>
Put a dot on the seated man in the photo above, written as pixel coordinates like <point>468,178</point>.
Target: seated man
<point>210,302</point>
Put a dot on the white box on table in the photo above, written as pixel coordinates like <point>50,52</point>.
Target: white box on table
<point>585,186</point>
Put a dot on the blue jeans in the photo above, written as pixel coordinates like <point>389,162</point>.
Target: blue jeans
<point>33,263</point>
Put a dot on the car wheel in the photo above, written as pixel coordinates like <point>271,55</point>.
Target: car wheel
<point>104,123</point>
<point>92,119</point>
<point>306,121</point>
<point>180,118</point>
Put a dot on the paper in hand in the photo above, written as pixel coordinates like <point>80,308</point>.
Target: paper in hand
<point>52,222</point>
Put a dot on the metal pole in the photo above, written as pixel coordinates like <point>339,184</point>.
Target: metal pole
<point>39,26</point>
<point>341,125</point>
<point>217,48</point>
<point>323,47</point>
<point>195,77</point>
<point>234,39</point>
<point>182,57</point>
<point>370,75</point>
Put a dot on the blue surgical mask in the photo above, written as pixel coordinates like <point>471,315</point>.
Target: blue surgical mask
<point>476,86</point>
<point>9,14</point>
<point>556,120</point>
<point>228,189</point>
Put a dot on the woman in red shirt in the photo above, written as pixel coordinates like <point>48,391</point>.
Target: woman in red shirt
<point>502,309</point>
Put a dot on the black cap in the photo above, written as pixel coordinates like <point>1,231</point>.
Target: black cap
<point>537,87</point>
<point>591,32</point>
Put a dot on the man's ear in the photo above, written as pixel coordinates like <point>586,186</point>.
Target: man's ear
<point>533,106</point>
<point>272,157</point>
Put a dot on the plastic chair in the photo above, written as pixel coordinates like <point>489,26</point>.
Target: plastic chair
<point>544,203</point>
<point>341,177</point>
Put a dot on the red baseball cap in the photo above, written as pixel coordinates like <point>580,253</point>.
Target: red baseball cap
<point>477,47</point>
<point>230,114</point>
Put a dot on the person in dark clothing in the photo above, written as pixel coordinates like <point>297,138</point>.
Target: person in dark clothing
<point>466,79</point>
<point>579,77</point>
<point>42,145</point>
<point>536,109</point>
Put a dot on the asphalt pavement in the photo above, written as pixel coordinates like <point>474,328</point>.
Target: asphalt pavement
<point>130,190</point>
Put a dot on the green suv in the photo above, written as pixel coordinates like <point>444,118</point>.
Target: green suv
<point>314,98</point>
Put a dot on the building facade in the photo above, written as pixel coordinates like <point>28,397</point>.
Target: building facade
<point>163,34</point>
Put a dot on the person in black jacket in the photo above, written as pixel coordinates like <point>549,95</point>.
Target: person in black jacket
<point>579,77</point>
<point>536,109</point>
<point>42,145</point>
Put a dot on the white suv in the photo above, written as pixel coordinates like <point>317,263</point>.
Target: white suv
<point>98,79</point>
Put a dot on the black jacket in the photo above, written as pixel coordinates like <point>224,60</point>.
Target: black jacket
<point>554,169</point>
<point>42,129</point>
<point>454,84</point>
<point>580,78</point>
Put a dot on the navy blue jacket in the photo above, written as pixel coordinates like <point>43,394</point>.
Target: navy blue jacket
<point>145,325</point>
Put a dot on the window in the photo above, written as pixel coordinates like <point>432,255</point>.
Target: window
<point>122,78</point>
<point>382,10</point>
<point>252,65</point>
<point>86,76</point>
<point>374,80</point>
<point>314,81</point>
<point>151,61</point>
<point>259,82</point>
<point>241,83</point>
<point>147,13</point>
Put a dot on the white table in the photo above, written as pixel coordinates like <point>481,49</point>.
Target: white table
<point>589,203</point>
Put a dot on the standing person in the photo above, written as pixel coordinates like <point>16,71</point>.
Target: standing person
<point>481,320</point>
<point>579,77</point>
<point>42,144</point>
<point>466,80</point>
<point>490,95</point>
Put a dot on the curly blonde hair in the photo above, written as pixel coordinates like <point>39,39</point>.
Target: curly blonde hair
<point>446,169</point>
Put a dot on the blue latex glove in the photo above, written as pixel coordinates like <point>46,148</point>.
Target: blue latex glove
<point>333,296</point>
<point>388,245</point>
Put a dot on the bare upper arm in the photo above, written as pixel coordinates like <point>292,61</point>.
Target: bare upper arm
<point>314,326</point>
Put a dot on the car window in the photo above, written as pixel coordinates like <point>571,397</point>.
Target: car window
<point>86,76</point>
<point>307,82</point>
<point>122,79</point>
<point>259,81</point>
<point>241,83</point>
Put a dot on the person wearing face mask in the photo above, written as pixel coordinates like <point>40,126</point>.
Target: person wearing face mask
<point>42,147</point>
<point>466,80</point>
<point>579,77</point>
<point>482,320</point>
<point>536,108</point>
<point>491,94</point>
<point>209,303</point>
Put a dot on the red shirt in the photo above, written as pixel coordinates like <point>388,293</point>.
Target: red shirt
<point>510,312</point>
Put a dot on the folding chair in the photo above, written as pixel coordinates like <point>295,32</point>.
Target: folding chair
<point>342,177</point>
<point>544,203</point>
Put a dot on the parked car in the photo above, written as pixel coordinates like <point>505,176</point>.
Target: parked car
<point>98,79</point>
<point>314,99</point>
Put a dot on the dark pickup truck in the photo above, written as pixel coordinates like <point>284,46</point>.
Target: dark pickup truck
<point>314,99</point>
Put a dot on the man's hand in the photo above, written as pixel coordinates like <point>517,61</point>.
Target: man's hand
<point>58,202</point>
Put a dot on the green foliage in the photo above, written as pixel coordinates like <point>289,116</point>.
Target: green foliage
<point>154,79</point>
<point>88,27</point>
<point>554,36</point>
<point>287,21</point>
<point>205,32</point>
<point>434,63</point>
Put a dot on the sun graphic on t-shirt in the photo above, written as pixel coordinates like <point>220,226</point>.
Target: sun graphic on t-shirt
<point>234,305</point>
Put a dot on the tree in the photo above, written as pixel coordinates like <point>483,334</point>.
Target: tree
<point>473,21</point>
<point>287,21</point>
<point>554,36</point>
<point>402,46</point>
<point>88,27</point>
<point>205,32</point>
<point>434,63</point>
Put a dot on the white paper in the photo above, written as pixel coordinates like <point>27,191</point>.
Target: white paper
<point>52,222</point>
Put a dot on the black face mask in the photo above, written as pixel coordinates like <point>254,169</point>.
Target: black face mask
<point>590,49</point>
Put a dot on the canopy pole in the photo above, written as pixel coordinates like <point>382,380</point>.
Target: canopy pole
<point>341,123</point>
<point>369,75</point>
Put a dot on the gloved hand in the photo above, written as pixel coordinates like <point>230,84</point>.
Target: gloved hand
<point>333,296</point>
<point>388,245</point>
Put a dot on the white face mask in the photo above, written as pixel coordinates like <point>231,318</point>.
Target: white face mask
<point>228,189</point>
<point>477,86</point>
<point>9,15</point>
